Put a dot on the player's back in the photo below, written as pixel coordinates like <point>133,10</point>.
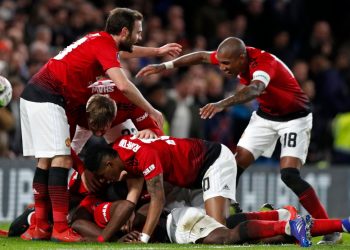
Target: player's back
<point>179,159</point>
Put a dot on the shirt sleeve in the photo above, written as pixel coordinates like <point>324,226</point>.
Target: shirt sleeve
<point>149,163</point>
<point>264,69</point>
<point>107,54</point>
<point>142,121</point>
<point>213,58</point>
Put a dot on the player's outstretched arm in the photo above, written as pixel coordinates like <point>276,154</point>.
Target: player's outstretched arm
<point>171,49</point>
<point>156,190</point>
<point>244,95</point>
<point>118,76</point>
<point>185,60</point>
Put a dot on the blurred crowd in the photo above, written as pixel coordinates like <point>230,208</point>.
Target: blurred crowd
<point>311,37</point>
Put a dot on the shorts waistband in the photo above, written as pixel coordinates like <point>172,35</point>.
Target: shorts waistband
<point>283,118</point>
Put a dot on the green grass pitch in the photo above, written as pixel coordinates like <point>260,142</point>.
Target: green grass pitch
<point>18,243</point>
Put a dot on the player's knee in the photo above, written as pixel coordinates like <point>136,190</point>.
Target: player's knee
<point>290,176</point>
<point>244,158</point>
<point>243,232</point>
<point>64,161</point>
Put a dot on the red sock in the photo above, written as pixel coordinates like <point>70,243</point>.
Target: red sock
<point>326,226</point>
<point>255,229</point>
<point>59,197</point>
<point>312,204</point>
<point>41,198</point>
<point>267,215</point>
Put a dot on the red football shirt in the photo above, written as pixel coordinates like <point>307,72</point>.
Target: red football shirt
<point>283,94</point>
<point>180,160</point>
<point>125,110</point>
<point>73,70</point>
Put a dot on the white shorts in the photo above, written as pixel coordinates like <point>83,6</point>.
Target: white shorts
<point>188,224</point>
<point>82,135</point>
<point>45,129</point>
<point>220,178</point>
<point>261,135</point>
<point>184,197</point>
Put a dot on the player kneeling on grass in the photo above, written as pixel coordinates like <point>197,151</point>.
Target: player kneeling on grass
<point>188,163</point>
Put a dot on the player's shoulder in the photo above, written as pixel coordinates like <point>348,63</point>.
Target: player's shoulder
<point>258,53</point>
<point>100,37</point>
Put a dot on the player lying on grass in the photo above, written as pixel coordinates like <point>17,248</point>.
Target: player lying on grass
<point>188,163</point>
<point>192,225</point>
<point>273,226</point>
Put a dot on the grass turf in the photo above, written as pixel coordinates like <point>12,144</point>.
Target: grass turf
<point>18,243</point>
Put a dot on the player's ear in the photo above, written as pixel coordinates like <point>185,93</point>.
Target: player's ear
<point>125,32</point>
<point>109,164</point>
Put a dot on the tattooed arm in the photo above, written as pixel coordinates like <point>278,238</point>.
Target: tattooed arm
<point>156,190</point>
<point>244,95</point>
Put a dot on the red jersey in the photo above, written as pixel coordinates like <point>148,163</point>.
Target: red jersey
<point>125,110</point>
<point>283,95</point>
<point>73,70</point>
<point>183,162</point>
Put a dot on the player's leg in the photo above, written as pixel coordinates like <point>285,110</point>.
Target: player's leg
<point>295,138</point>
<point>190,225</point>
<point>219,186</point>
<point>218,208</point>
<point>30,126</point>
<point>49,131</point>
<point>22,222</point>
<point>258,138</point>
<point>329,226</point>
<point>248,231</point>
<point>286,213</point>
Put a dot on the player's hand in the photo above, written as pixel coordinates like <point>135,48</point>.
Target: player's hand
<point>90,182</point>
<point>132,237</point>
<point>146,134</point>
<point>127,227</point>
<point>209,110</point>
<point>158,117</point>
<point>171,49</point>
<point>150,69</point>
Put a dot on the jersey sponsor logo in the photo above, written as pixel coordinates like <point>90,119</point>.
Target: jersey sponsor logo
<point>141,118</point>
<point>102,86</point>
<point>129,145</point>
<point>148,170</point>
<point>104,212</point>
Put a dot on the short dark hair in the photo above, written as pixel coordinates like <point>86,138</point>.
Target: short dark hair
<point>121,17</point>
<point>94,156</point>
